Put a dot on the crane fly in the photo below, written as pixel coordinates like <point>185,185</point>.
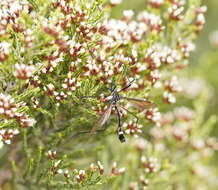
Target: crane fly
<point>140,104</point>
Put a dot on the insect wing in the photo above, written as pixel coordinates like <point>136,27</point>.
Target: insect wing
<point>140,104</point>
<point>103,118</point>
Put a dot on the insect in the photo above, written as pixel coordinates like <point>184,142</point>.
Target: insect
<point>140,104</point>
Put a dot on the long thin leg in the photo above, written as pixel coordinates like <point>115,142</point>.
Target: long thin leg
<point>119,130</point>
<point>88,97</point>
<point>127,86</point>
<point>96,97</point>
<point>137,119</point>
<point>77,135</point>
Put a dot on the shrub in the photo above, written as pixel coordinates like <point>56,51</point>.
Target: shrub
<point>59,58</point>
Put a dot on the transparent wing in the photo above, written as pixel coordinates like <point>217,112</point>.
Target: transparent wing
<point>140,104</point>
<point>103,118</point>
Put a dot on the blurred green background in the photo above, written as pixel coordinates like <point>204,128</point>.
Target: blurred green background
<point>204,61</point>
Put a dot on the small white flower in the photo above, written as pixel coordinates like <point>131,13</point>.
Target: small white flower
<point>128,14</point>
<point>168,97</point>
<point>122,170</point>
<point>57,163</point>
<point>115,2</point>
<point>60,171</point>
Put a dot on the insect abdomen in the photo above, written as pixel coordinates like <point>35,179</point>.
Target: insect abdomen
<point>121,137</point>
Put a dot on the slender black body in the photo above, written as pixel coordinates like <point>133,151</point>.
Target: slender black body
<point>138,103</point>
<point>116,98</point>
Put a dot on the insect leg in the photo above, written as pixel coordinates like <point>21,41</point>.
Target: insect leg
<point>137,119</point>
<point>119,130</point>
<point>88,97</point>
<point>127,86</point>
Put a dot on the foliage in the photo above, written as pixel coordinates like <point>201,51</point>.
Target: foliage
<point>57,61</point>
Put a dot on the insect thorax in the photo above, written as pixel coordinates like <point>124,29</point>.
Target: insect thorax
<point>115,97</point>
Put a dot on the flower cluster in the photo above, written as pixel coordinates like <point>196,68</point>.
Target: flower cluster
<point>10,13</point>
<point>150,165</point>
<point>133,186</point>
<point>144,181</point>
<point>6,135</point>
<point>23,71</point>
<point>156,3</point>
<point>151,21</point>
<point>51,62</point>
<point>181,132</point>
<point>169,97</point>
<point>99,51</point>
<point>172,85</point>
<point>9,110</point>
<point>179,126</point>
<point>50,91</point>
<point>169,56</point>
<point>115,2</point>
<point>98,167</point>
<point>176,11</point>
<point>200,19</point>
<point>115,171</point>
<point>35,102</point>
<point>79,176</point>
<point>140,144</point>
<point>28,38</point>
<point>4,51</point>
<point>152,58</point>
<point>184,113</point>
<point>52,154</point>
<point>132,128</point>
<point>152,114</point>
<point>59,52</point>
<point>70,83</point>
<point>207,145</point>
<point>55,168</point>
